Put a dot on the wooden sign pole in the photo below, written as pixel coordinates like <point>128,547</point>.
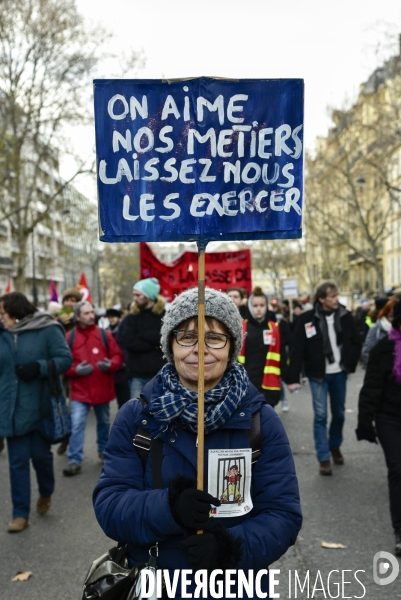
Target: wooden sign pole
<point>201,365</point>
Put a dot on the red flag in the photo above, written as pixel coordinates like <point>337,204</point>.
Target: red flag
<point>53,291</point>
<point>8,288</point>
<point>84,289</point>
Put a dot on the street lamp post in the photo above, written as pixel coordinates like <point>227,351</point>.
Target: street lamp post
<point>360,182</point>
<point>64,212</point>
<point>34,288</point>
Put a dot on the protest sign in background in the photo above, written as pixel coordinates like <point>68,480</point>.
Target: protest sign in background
<point>199,159</point>
<point>223,270</point>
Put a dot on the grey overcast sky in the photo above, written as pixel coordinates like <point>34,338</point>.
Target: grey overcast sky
<point>332,44</point>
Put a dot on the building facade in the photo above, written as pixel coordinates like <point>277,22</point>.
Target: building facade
<point>63,242</point>
<point>353,185</point>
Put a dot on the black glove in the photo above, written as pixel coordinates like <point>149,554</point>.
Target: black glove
<point>28,371</point>
<point>83,369</point>
<point>104,365</point>
<point>215,549</point>
<point>366,432</point>
<point>190,507</point>
<point>202,551</point>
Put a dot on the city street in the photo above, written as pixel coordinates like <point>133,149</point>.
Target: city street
<point>149,182</point>
<point>349,508</point>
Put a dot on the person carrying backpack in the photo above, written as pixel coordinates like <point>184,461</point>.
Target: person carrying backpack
<point>138,506</point>
<point>96,357</point>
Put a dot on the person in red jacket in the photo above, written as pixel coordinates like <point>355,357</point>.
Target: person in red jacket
<point>95,360</point>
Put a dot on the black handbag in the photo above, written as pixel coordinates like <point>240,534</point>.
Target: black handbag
<point>110,578</point>
<point>55,424</point>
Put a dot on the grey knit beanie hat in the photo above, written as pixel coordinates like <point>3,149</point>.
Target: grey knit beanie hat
<point>217,305</point>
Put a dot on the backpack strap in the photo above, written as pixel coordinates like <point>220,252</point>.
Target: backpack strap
<point>103,337</point>
<point>71,339</point>
<point>157,460</point>
<point>255,437</point>
<point>143,443</point>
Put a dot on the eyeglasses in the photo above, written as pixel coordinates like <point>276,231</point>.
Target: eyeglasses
<point>216,341</point>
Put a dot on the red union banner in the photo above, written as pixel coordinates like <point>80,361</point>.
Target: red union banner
<point>222,270</point>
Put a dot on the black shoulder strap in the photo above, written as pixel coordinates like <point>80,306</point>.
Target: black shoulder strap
<point>143,443</point>
<point>53,378</point>
<point>255,437</point>
<point>157,461</point>
<point>72,338</point>
<point>105,339</point>
<point>53,382</point>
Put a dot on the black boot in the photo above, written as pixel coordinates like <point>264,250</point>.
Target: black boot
<point>398,542</point>
<point>63,446</point>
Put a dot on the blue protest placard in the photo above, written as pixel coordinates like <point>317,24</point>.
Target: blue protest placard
<point>199,159</point>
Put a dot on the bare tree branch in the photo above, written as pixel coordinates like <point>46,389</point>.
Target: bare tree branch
<point>47,56</point>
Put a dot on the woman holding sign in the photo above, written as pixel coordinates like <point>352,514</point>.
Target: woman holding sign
<point>143,500</point>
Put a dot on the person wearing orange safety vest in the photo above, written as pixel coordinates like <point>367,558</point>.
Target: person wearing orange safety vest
<point>260,353</point>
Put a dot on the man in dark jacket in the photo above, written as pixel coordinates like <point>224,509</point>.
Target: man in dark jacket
<point>121,384</point>
<point>326,341</point>
<point>139,335</point>
<point>360,318</point>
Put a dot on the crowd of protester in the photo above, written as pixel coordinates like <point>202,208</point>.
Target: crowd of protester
<point>117,354</point>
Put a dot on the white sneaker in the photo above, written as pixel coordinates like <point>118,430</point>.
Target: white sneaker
<point>285,407</point>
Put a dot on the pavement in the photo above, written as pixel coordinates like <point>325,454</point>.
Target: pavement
<point>349,508</point>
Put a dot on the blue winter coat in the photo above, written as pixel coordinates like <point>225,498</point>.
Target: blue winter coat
<point>21,401</point>
<point>129,510</point>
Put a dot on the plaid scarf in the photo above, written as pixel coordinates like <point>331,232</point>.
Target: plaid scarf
<point>178,405</point>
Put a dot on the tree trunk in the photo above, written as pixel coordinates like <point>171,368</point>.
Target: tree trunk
<point>379,273</point>
<point>20,260</point>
